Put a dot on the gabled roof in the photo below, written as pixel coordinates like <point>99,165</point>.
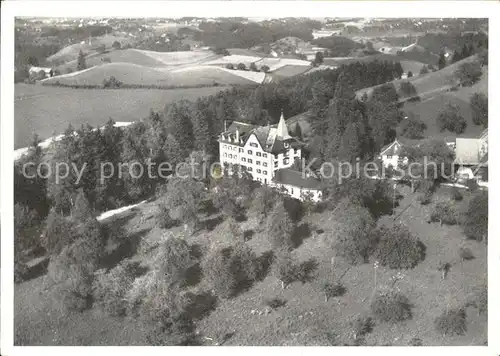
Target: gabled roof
<point>391,149</point>
<point>296,179</point>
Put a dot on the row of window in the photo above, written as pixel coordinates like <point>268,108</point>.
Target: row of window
<point>250,169</point>
<point>233,148</point>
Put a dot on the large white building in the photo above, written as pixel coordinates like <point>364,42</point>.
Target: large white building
<point>267,153</point>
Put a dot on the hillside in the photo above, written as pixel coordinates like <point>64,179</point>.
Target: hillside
<point>429,84</point>
<point>133,74</point>
<point>408,65</point>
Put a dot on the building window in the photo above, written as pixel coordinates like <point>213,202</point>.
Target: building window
<point>264,164</point>
<point>265,179</point>
<point>243,159</point>
<point>258,154</point>
<point>264,172</point>
<point>249,161</point>
<point>264,155</point>
<point>253,144</point>
<point>230,156</point>
<point>249,152</point>
<point>389,157</point>
<point>225,154</point>
<point>241,149</point>
<point>258,170</point>
<point>286,160</point>
<point>249,169</point>
<point>291,190</point>
<point>275,164</point>
<point>257,163</point>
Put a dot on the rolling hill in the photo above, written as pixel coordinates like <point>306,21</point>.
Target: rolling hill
<point>137,75</point>
<point>429,84</point>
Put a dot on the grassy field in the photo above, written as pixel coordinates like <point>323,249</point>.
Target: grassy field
<point>408,65</point>
<point>47,110</point>
<point>306,318</point>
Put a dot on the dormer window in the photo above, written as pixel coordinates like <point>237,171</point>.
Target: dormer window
<point>287,145</point>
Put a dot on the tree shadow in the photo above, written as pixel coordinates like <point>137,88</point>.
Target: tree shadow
<point>196,251</point>
<point>37,269</point>
<point>200,305</point>
<point>126,249</point>
<point>301,232</point>
<point>193,275</point>
<point>210,224</point>
<point>294,208</point>
<point>248,234</point>
<point>423,250</point>
<point>264,262</point>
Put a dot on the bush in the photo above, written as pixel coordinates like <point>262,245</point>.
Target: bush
<point>451,322</point>
<point>172,260</point>
<point>230,66</point>
<point>274,303</point>
<point>280,227</point>
<point>253,67</point>
<point>110,288</point>
<point>332,290</point>
<point>465,254</point>
<point>424,70</point>
<point>116,45</point>
<point>362,325</point>
<point>221,51</point>
<point>445,213</point>
<point>163,218</point>
<point>111,83</point>
<point>407,89</point>
<point>391,307</point>
<point>265,68</point>
<point>241,66</point>
<point>398,248</point>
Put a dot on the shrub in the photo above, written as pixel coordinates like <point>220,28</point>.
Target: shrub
<point>465,254</point>
<point>221,51</point>
<point>116,45</point>
<point>111,83</point>
<point>241,66</point>
<point>110,288</point>
<point>391,307</point>
<point>332,290</point>
<point>362,325</point>
<point>446,213</point>
<point>424,70</point>
<point>274,303</point>
<point>468,73</point>
<point>253,67</point>
<point>163,218</point>
<point>265,68</point>
<point>230,66</point>
<point>173,260</point>
<point>398,248</point>
<point>451,322</point>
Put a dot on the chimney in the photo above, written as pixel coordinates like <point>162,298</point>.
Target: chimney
<point>237,136</point>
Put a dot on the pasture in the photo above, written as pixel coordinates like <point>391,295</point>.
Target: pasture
<point>47,110</point>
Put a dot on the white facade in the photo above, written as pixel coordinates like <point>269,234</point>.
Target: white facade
<point>300,193</point>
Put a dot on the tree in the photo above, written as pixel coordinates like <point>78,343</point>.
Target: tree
<point>253,67</point>
<point>263,202</point>
<point>318,59</point>
<point>173,259</point>
<point>391,306</point>
<point>476,218</point>
<point>57,234</point>
<point>82,210</point>
<point>468,73</point>
<point>178,120</point>
<point>445,213</point>
<point>450,119</point>
<point>230,66</point>
<point>353,239</point>
<point>457,56</point>
<point>479,106</point>
<point>280,227</point>
<point>285,267</point>
<point>407,88</point>
<point>80,62</point>
<point>424,70</point>
<point>410,74</point>
<point>442,61</point>
<point>116,45</point>
<point>412,127</point>
<point>451,322</point>
<point>241,66</point>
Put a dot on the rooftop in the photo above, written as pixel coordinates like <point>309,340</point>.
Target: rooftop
<point>296,178</point>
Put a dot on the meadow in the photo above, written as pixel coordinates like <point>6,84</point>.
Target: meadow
<point>305,318</point>
<point>47,110</point>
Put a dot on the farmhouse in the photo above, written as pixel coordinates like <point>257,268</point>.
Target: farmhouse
<point>391,154</point>
<point>268,154</point>
<point>471,158</point>
<point>36,70</point>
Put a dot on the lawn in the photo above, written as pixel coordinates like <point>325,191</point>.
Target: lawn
<point>305,319</point>
<point>47,110</point>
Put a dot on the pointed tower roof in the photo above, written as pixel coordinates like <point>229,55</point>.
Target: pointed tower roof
<point>282,130</point>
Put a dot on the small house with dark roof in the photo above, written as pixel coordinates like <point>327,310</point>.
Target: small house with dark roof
<point>262,151</point>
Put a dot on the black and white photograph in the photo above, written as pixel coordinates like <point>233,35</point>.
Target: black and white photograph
<point>249,181</point>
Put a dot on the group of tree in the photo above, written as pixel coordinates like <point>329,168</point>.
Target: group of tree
<point>450,119</point>
<point>479,106</point>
